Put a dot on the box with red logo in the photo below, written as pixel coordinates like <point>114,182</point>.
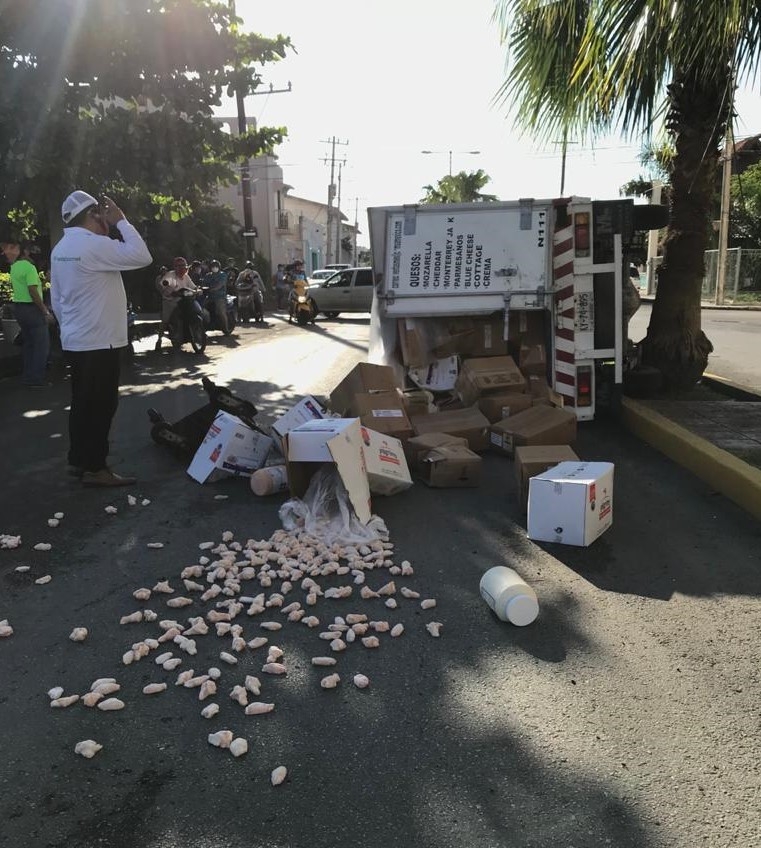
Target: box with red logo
<point>571,503</point>
<point>385,462</point>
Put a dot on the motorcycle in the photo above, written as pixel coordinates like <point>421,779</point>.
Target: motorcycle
<point>186,323</point>
<point>302,308</point>
<point>184,437</point>
<point>250,302</point>
<point>210,313</point>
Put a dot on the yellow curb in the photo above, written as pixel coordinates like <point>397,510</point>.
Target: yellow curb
<point>726,473</point>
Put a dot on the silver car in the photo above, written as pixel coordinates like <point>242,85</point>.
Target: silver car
<point>350,290</point>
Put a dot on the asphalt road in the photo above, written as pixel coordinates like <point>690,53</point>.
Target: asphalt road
<point>626,715</point>
<point>736,338</point>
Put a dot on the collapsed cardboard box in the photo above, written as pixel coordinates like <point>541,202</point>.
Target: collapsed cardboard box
<point>386,465</point>
<point>571,503</point>
<point>363,378</point>
<point>488,375</point>
<point>477,337</point>
<point>439,376</point>
<point>418,446</point>
<point>330,440</point>
<point>503,405</point>
<point>382,411</point>
<point>470,424</point>
<point>418,402</point>
<point>539,425</point>
<point>229,449</point>
<point>531,460</point>
<point>307,409</point>
<point>451,466</point>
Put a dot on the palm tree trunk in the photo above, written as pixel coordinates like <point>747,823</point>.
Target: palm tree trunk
<point>675,342</point>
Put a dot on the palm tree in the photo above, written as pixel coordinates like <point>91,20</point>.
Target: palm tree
<point>459,188</point>
<point>584,67</point>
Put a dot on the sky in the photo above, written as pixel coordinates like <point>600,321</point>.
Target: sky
<point>395,77</point>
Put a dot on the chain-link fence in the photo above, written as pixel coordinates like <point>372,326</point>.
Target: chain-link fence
<point>742,282</point>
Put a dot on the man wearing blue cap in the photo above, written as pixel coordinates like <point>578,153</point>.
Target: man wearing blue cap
<point>89,301</point>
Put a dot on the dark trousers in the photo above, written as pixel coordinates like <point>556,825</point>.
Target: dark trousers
<point>35,344</point>
<point>94,399</point>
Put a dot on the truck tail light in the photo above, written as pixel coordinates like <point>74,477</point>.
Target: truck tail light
<point>581,233</point>
<point>584,385</point>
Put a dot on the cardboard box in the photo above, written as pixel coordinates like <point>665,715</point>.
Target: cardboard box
<point>541,393</point>
<point>488,375</point>
<point>332,440</point>
<point>418,402</point>
<point>383,412</point>
<point>307,409</point>
<point>533,359</point>
<point>439,376</point>
<point>539,425</point>
<point>497,407</point>
<point>470,424</point>
<point>571,503</point>
<point>229,449</point>
<point>488,338</point>
<point>418,446</point>
<point>387,470</point>
<point>363,378</point>
<point>451,466</point>
<point>531,460</point>
<point>414,342</point>
<point>526,325</point>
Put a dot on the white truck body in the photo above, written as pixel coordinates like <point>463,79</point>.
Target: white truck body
<point>564,257</point>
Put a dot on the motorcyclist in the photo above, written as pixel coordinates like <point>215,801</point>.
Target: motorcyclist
<point>249,283</point>
<point>299,288</point>
<point>169,286</point>
<point>215,282</point>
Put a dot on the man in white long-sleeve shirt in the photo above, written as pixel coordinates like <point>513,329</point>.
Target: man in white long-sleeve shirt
<point>89,301</point>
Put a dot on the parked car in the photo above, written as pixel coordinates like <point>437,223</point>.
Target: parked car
<point>321,275</point>
<point>350,290</point>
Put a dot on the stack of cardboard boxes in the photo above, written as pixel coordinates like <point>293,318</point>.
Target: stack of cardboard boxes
<point>477,392</point>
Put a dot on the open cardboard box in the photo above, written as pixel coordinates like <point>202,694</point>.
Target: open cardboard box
<point>332,440</point>
<point>230,449</point>
<point>307,409</point>
<point>386,465</point>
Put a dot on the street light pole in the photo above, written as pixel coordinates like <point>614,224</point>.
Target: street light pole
<point>450,152</point>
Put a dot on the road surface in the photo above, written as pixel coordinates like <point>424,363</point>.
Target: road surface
<point>626,715</point>
<point>736,338</point>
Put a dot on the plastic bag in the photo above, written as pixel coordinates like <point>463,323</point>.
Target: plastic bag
<point>325,512</point>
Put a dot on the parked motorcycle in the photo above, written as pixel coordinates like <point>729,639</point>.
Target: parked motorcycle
<point>186,323</point>
<point>210,313</point>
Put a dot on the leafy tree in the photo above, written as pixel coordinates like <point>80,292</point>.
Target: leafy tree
<point>118,97</point>
<point>459,188</point>
<point>586,67</point>
<point>746,208</point>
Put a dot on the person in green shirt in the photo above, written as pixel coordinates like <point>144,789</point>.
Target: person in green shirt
<point>30,311</point>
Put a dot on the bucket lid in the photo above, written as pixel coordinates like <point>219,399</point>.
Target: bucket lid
<point>521,610</point>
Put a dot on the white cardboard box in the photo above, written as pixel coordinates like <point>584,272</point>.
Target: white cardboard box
<point>386,464</point>
<point>571,503</point>
<point>307,409</point>
<point>335,440</point>
<point>230,448</point>
<point>439,376</point>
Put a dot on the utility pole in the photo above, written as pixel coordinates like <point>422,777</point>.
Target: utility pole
<point>338,215</point>
<point>249,231</point>
<point>356,231</point>
<point>564,150</point>
<point>331,193</point>
<point>726,185</point>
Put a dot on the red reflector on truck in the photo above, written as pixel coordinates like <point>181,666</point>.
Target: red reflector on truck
<point>581,233</point>
<point>584,385</point>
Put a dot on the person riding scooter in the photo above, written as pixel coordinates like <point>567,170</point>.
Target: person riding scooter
<point>250,291</point>
<point>300,305</point>
<point>215,282</point>
<point>170,287</point>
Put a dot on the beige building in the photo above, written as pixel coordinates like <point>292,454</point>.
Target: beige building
<point>288,227</point>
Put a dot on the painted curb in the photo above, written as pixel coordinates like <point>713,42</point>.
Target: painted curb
<point>729,475</point>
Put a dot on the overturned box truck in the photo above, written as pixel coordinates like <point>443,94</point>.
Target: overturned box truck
<point>554,273</point>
